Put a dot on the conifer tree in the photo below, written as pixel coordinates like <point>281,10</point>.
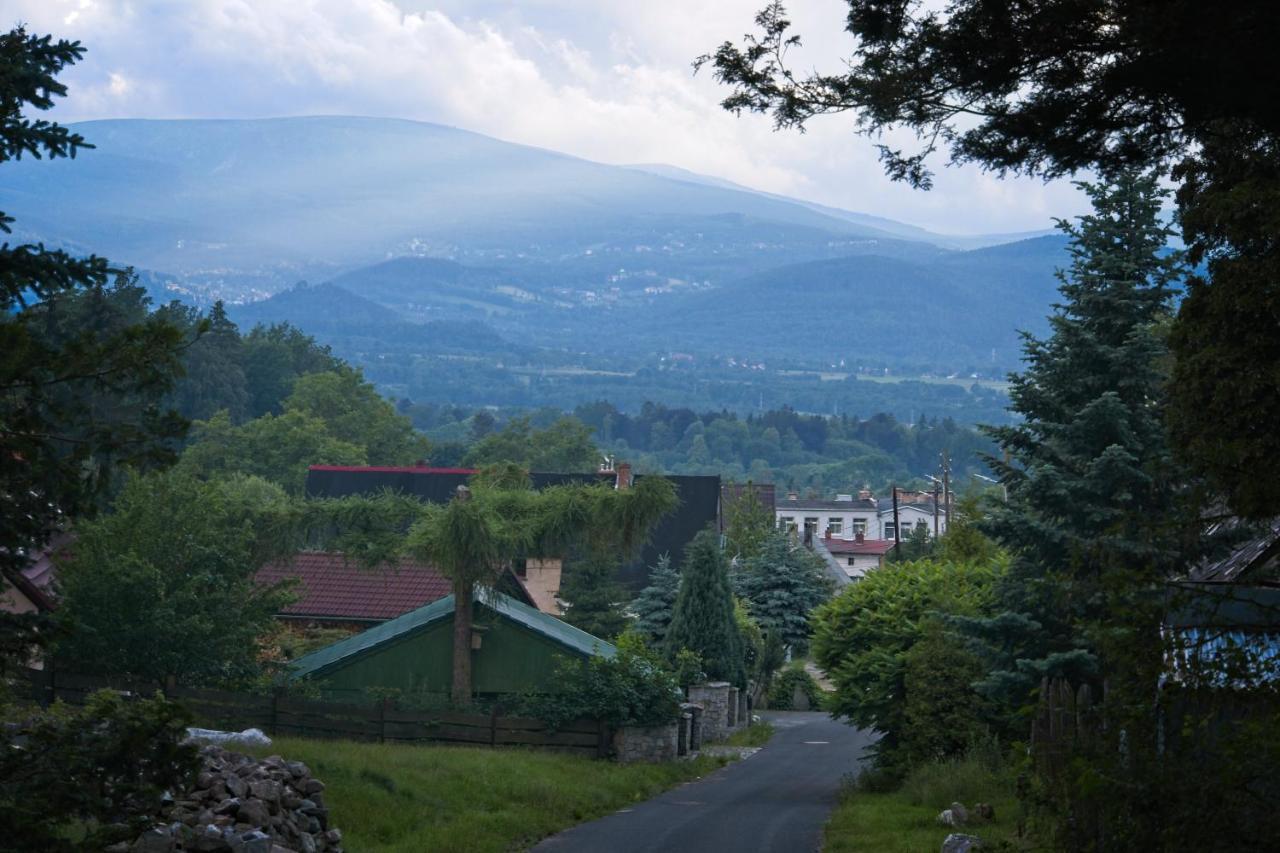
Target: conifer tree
<point>594,597</point>
<point>782,584</point>
<point>703,621</point>
<point>657,601</point>
<point>1092,517</point>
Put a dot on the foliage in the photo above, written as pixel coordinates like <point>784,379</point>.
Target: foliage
<point>703,619</point>
<point>964,541</point>
<point>1071,86</point>
<point>687,668</point>
<point>747,523</point>
<point>751,637</point>
<point>101,770</point>
<point>864,636</point>
<point>942,716</point>
<point>81,390</point>
<point>1094,515</point>
<point>163,586</point>
<point>355,413</point>
<point>479,800</point>
<point>631,688</point>
<point>753,734</point>
<point>783,583</point>
<point>917,545</point>
<point>594,597</point>
<point>794,677</point>
<point>565,447</point>
<point>656,602</point>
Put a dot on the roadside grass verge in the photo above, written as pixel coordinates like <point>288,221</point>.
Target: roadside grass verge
<point>406,798</point>
<point>756,734</point>
<point>905,820</point>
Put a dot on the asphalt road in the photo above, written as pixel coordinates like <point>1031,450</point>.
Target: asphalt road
<point>775,800</point>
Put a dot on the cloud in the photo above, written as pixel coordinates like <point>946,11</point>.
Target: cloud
<point>609,82</point>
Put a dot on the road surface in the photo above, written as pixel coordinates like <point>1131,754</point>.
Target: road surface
<point>774,801</point>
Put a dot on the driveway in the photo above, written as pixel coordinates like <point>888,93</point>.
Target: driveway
<point>776,800</point>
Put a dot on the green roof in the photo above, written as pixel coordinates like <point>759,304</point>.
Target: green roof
<point>557,630</point>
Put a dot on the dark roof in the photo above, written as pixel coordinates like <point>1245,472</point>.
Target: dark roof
<point>801,504</point>
<point>557,630</point>
<point>331,586</point>
<point>1218,605</point>
<point>871,547</point>
<point>765,493</point>
<point>1246,561</point>
<point>699,498</point>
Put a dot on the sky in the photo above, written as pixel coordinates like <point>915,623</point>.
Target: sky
<point>608,80</point>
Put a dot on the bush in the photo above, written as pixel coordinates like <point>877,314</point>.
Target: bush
<point>632,688</point>
<point>84,778</point>
<point>782,694</point>
<point>942,713</point>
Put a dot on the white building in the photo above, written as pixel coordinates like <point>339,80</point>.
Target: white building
<point>848,516</point>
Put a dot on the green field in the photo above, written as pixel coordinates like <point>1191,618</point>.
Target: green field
<point>399,798</point>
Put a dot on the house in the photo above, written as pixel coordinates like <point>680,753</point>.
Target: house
<point>848,516</point>
<point>30,588</point>
<point>517,650</point>
<point>859,555</point>
<point>333,590</point>
<point>699,507</point>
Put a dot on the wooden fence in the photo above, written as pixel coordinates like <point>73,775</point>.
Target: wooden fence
<point>281,714</point>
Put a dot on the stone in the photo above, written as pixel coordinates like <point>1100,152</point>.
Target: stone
<point>960,813</point>
<point>118,847</point>
<point>254,812</point>
<point>308,843</point>
<point>231,805</point>
<point>266,789</point>
<point>312,786</point>
<point>985,811</point>
<point>236,786</point>
<point>957,843</point>
<point>297,769</point>
<point>211,840</point>
<point>333,836</point>
<point>252,841</point>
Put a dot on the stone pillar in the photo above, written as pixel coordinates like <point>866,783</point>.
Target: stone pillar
<point>695,726</point>
<point>744,708</point>
<point>714,699</point>
<point>733,707</point>
<point>647,743</point>
<point>682,744</point>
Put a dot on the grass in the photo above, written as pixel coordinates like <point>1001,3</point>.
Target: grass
<point>400,798</point>
<point>756,734</point>
<point>905,820</point>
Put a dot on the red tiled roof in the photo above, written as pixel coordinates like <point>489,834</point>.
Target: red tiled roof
<point>852,546</point>
<point>333,586</point>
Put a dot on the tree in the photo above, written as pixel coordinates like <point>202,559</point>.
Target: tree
<point>274,357</point>
<point>473,538</point>
<point>1053,88</point>
<point>748,523</point>
<point>656,602</point>
<point>1094,517</point>
<point>355,413</point>
<point>593,595</point>
<point>213,374</point>
<point>564,447</point>
<point>77,402</point>
<point>703,620</point>
<point>163,586</point>
<point>783,583</point>
<point>864,636</point>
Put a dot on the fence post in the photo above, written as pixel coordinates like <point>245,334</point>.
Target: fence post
<point>602,739</point>
<point>493,726</point>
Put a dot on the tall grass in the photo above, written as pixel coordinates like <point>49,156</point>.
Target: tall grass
<point>980,776</point>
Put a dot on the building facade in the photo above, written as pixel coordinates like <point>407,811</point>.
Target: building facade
<point>850,516</point>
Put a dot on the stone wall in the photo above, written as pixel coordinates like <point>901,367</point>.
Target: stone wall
<point>647,743</point>
<point>714,699</point>
<point>694,739</point>
<point>732,707</point>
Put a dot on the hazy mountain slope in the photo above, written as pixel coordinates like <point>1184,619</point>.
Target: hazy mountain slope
<point>187,195</point>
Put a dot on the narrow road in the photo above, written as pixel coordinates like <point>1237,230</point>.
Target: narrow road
<point>775,801</point>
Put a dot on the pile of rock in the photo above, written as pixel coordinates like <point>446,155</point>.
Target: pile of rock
<point>242,805</point>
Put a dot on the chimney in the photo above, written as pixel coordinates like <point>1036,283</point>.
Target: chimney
<point>624,476</point>
<point>858,537</point>
<point>793,496</point>
<point>864,494</point>
<point>462,493</point>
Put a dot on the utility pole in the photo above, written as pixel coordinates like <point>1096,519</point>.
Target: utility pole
<point>936,494</point>
<point>897,530</point>
<point>946,484</point>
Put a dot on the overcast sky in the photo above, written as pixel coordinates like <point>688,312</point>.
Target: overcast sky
<point>609,80</point>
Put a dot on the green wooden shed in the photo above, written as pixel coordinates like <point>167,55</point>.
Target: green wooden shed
<point>518,651</point>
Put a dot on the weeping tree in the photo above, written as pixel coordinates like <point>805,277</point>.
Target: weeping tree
<point>475,537</point>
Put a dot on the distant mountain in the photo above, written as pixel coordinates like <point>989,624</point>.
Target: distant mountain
<point>305,194</point>
<point>890,226</point>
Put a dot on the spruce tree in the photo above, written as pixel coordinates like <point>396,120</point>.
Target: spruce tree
<point>782,584</point>
<point>656,602</point>
<point>703,621</point>
<point>1093,512</point>
<point>594,597</point>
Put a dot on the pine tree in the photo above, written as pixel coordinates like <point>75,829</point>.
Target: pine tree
<point>656,602</point>
<point>703,620</point>
<point>783,583</point>
<point>1092,517</point>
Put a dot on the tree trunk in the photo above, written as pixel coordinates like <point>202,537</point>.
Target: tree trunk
<point>462,598</point>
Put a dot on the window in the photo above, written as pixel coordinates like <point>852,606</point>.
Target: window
<point>787,523</point>
<point>889,530</point>
<point>853,561</point>
<point>923,526</point>
<point>860,526</point>
<point>835,526</point>
<point>811,524</point>
<point>521,567</point>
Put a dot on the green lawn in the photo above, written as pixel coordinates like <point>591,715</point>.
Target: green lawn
<point>905,821</point>
<point>393,798</point>
<point>756,734</point>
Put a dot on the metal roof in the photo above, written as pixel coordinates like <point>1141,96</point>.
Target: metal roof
<point>557,630</point>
